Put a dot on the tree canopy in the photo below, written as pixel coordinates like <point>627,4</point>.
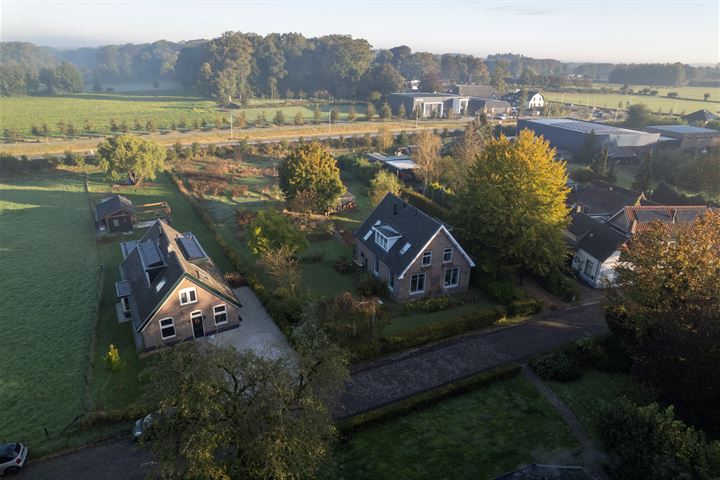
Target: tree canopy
<point>131,155</point>
<point>383,182</point>
<point>311,168</point>
<point>271,230</point>
<point>511,211</point>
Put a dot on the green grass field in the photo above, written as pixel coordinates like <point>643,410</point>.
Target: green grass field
<point>478,435</point>
<point>21,113</point>
<point>49,286</point>
<point>686,91</point>
<point>658,104</point>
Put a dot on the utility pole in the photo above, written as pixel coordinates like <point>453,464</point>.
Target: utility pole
<point>329,121</point>
<point>231,126</point>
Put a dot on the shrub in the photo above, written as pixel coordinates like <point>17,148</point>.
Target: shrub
<point>316,257</point>
<point>603,353</point>
<point>235,280</point>
<point>502,291</point>
<point>528,306</point>
<point>112,358</point>
<point>430,304</point>
<point>562,285</point>
<point>370,286</point>
<point>343,265</point>
<point>425,204</point>
<point>648,442</point>
<point>556,366</point>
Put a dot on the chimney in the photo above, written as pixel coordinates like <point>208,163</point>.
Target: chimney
<point>394,208</point>
<point>578,208</point>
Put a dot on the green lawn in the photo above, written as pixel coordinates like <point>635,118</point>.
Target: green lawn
<point>49,286</point>
<point>162,108</point>
<point>475,436</point>
<point>686,91</point>
<point>596,389</point>
<point>655,104</point>
<point>625,173</point>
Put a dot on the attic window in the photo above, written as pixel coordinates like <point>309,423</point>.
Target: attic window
<point>381,240</point>
<point>404,249</point>
<point>367,235</point>
<point>188,295</point>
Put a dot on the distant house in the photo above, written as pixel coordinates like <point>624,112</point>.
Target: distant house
<point>488,106</point>
<point>597,247</point>
<point>533,100</point>
<point>700,117</point>
<point>636,219</point>
<point>114,215</point>
<point>171,290</point>
<point>401,165</point>
<point>429,105</point>
<point>475,90</point>
<point>602,200</point>
<point>413,252</point>
<point>687,137</point>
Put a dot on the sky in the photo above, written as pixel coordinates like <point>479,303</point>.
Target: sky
<point>614,31</point>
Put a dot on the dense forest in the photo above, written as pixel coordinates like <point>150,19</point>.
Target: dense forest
<point>236,66</point>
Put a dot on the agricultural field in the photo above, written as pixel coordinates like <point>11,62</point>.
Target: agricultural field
<point>689,92</point>
<point>658,104</point>
<point>50,283</point>
<point>480,434</point>
<point>95,110</point>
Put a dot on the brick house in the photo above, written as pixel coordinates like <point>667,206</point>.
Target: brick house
<point>172,291</point>
<point>413,252</point>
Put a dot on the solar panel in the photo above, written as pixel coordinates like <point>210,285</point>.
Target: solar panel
<point>649,216</point>
<point>191,248</point>
<point>686,215</point>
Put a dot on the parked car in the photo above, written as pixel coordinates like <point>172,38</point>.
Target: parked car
<point>143,424</point>
<point>12,457</point>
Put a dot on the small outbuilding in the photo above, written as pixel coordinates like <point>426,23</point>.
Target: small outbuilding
<point>114,215</point>
<point>687,137</point>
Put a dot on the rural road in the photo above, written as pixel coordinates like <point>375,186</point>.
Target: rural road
<point>371,385</point>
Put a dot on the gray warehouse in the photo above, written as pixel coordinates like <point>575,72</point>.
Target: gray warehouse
<point>687,136</point>
<point>570,134</point>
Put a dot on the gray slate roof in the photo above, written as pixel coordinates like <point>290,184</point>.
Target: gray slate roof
<point>416,227</point>
<point>602,198</point>
<point>596,238</point>
<point>111,205</point>
<point>475,90</point>
<point>701,116</point>
<point>165,241</point>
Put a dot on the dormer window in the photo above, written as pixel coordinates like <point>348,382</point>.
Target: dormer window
<point>385,236</point>
<point>381,240</point>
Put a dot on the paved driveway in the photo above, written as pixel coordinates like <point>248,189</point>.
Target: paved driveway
<point>257,331</point>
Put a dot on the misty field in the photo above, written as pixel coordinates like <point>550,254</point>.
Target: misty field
<point>49,284</point>
<point>164,109</point>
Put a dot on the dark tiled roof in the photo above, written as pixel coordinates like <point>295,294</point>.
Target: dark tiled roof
<point>484,91</point>
<point>415,227</point>
<point>580,224</point>
<point>114,204</point>
<point>599,240</point>
<point>701,116</point>
<point>171,266</point>
<point>602,198</point>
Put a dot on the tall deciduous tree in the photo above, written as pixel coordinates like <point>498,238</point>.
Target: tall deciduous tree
<point>666,309</point>
<point>240,415</point>
<point>384,138</point>
<point>427,157</point>
<point>311,167</point>
<point>131,155</point>
<point>383,182</point>
<point>511,211</point>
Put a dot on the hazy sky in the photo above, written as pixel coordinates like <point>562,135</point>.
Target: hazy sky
<point>571,30</point>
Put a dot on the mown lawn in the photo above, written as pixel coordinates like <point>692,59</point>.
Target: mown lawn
<point>476,436</point>
<point>163,108</point>
<point>596,389</point>
<point>656,104</point>
<point>48,298</point>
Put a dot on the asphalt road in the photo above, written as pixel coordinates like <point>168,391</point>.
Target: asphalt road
<point>371,385</point>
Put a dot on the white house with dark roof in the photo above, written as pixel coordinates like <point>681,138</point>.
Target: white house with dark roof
<point>413,252</point>
<point>171,290</point>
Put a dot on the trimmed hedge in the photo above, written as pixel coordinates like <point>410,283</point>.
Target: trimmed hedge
<point>501,290</point>
<point>425,204</point>
<point>528,306</point>
<point>556,366</point>
<point>428,398</point>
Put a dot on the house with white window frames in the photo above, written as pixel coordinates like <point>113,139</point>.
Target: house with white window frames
<point>172,291</point>
<point>416,254</point>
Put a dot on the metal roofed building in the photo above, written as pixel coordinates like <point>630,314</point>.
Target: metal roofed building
<point>570,134</point>
<point>689,137</point>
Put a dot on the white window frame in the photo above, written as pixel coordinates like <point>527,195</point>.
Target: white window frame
<point>376,266</point>
<point>591,264</point>
<point>381,240</point>
<point>215,314</point>
<point>418,275</point>
<point>172,324</point>
<point>447,251</point>
<point>454,270</point>
<point>391,281</point>
<point>188,291</point>
<point>428,255</point>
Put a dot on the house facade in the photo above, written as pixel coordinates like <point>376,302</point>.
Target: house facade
<point>533,100</point>
<point>414,253</point>
<point>429,105</point>
<point>114,214</point>
<point>171,290</point>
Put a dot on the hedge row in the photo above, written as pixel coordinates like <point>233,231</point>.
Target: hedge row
<point>430,333</point>
<point>527,306</point>
<point>425,204</point>
<point>428,398</point>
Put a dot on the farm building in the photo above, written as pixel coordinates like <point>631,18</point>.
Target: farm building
<point>475,90</point>
<point>700,117</point>
<point>534,100</point>
<point>488,106</point>
<point>570,134</point>
<point>114,215</point>
<point>427,105</point>
<point>687,137</point>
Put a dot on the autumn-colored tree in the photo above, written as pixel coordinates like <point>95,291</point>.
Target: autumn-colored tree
<point>474,137</point>
<point>271,230</point>
<point>384,138</point>
<point>131,155</point>
<point>233,414</point>
<point>426,156</point>
<point>311,167</point>
<point>511,211</point>
<point>383,182</point>
<point>666,309</point>
<point>282,265</point>
<point>370,112</point>
<point>352,114</point>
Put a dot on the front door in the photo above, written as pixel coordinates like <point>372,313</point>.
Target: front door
<point>197,324</point>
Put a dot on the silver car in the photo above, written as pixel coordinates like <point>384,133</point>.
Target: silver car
<point>12,457</point>
<point>142,425</point>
